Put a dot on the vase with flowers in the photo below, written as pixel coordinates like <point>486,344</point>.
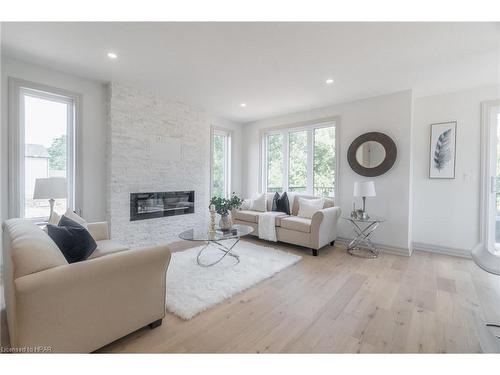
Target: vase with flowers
<point>223,207</point>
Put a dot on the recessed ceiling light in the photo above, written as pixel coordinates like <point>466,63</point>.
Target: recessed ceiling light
<point>329,81</point>
<point>112,55</point>
<point>243,105</point>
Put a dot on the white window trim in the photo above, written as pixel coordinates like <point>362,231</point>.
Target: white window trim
<point>486,231</point>
<point>285,130</point>
<point>227,134</point>
<point>16,143</point>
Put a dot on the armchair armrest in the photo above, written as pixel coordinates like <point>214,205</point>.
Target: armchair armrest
<point>324,226</point>
<point>86,305</point>
<point>99,231</point>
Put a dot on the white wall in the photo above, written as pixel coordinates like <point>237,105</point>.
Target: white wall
<point>390,114</point>
<point>93,132</point>
<point>446,212</point>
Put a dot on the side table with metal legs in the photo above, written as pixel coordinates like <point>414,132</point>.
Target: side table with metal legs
<point>361,245</point>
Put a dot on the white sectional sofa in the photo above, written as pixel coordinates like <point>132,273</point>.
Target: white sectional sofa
<point>313,233</point>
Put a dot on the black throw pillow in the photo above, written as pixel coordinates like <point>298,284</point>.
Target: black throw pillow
<point>74,241</point>
<point>275,202</point>
<point>281,204</point>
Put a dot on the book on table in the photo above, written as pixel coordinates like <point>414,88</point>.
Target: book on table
<point>227,232</point>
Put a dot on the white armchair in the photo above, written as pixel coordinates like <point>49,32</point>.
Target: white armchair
<point>82,306</point>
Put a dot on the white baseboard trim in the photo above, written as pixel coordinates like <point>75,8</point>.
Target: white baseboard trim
<point>383,248</point>
<point>443,250</point>
<point>416,246</point>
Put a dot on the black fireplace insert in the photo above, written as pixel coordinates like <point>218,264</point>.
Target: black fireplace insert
<point>160,204</point>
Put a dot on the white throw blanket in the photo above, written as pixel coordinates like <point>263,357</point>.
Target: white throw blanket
<point>267,229</point>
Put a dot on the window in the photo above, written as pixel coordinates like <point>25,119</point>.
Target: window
<point>221,165</point>
<point>324,161</point>
<point>274,166</point>
<point>43,125</point>
<point>297,161</point>
<point>300,160</point>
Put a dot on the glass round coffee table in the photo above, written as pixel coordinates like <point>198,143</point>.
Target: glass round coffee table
<point>217,239</point>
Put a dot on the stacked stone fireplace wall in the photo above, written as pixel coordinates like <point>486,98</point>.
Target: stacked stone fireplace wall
<point>141,131</point>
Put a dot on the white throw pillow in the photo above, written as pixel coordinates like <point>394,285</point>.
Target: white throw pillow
<point>259,203</point>
<point>55,218</point>
<point>307,207</point>
<point>71,215</point>
<point>246,204</point>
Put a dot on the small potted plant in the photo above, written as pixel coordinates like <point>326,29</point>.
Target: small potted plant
<point>223,206</point>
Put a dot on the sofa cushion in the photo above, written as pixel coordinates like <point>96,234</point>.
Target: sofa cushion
<point>32,250</point>
<point>247,215</point>
<point>296,223</point>
<point>253,216</point>
<point>106,247</point>
<point>280,216</point>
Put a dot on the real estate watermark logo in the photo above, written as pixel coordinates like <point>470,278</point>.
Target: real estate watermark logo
<point>26,349</point>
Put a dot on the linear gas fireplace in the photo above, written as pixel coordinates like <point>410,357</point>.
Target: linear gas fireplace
<point>160,204</point>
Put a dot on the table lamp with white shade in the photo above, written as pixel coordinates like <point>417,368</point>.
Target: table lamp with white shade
<point>364,189</point>
<point>51,188</point>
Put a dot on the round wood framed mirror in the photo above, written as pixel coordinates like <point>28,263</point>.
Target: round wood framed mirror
<point>372,154</point>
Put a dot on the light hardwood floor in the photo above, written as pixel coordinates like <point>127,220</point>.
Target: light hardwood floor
<point>337,303</point>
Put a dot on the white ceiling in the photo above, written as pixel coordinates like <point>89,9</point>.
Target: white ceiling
<point>275,68</point>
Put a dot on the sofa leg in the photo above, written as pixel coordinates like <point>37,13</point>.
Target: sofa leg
<point>155,324</point>
<point>332,243</point>
<point>315,252</point>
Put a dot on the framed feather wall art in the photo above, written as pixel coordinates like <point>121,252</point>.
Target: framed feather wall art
<point>443,150</point>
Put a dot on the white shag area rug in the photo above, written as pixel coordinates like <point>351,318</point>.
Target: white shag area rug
<point>192,289</point>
